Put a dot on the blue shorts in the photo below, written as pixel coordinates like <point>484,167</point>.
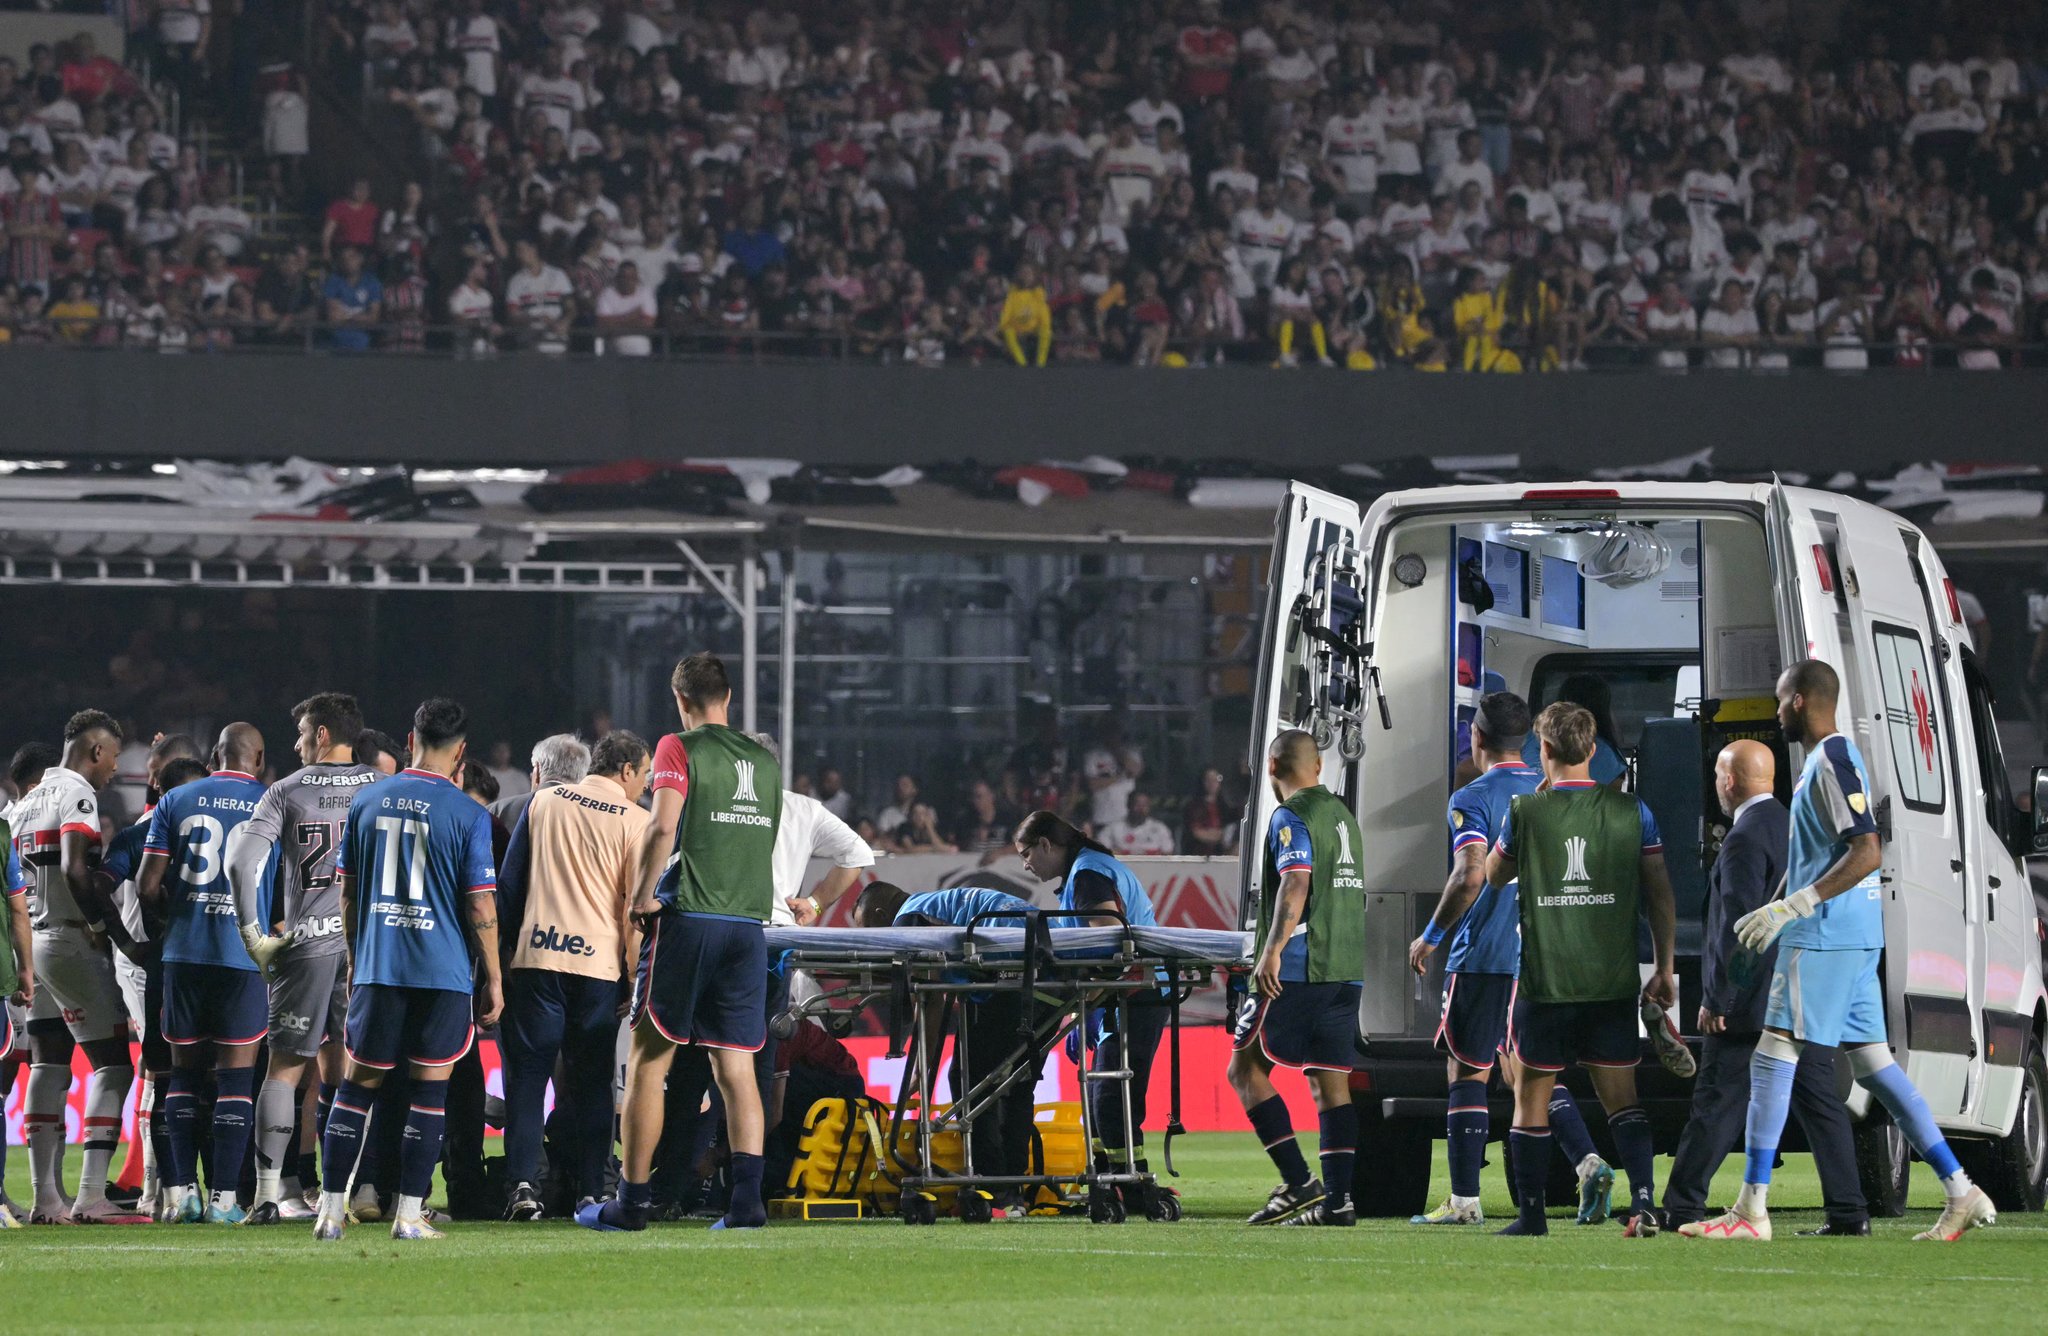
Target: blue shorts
<point>1551,1036</point>
<point>1827,997</point>
<point>1474,1024</point>
<point>387,1025</point>
<point>1313,1026</point>
<point>215,1003</point>
<point>703,980</point>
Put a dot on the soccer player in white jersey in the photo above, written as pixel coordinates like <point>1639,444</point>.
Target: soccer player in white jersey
<point>77,1003</point>
<point>1825,988</point>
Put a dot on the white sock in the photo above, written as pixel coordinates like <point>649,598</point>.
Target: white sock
<point>1590,1164</point>
<point>1956,1185</point>
<point>408,1208</point>
<point>268,1187</point>
<point>334,1204</point>
<point>1463,1203</point>
<point>226,1200</point>
<point>1750,1201</point>
<point>43,1116</point>
<point>145,1113</point>
<point>106,1090</point>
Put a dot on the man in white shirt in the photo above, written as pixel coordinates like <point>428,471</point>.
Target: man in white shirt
<point>475,35</point>
<point>1129,170</point>
<point>1139,832</point>
<point>1262,235</point>
<point>625,312</point>
<point>1112,777</point>
<point>218,221</point>
<point>1351,145</point>
<point>1728,328</point>
<point>1469,165</point>
<point>553,93</point>
<point>1935,66</point>
<point>1150,109</point>
<point>539,300</point>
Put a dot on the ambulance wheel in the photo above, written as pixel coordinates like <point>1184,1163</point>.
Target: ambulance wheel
<point>976,1207</point>
<point>1353,743</point>
<point>918,1209</point>
<point>1324,733</point>
<point>2014,1168</point>
<point>1884,1164</point>
<point>1165,1207</point>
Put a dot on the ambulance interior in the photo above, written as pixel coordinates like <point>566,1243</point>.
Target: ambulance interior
<point>1671,615</point>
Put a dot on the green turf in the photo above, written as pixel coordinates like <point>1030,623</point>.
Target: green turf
<point>1206,1274</point>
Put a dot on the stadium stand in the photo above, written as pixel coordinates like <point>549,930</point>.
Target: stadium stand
<point>1484,187</point>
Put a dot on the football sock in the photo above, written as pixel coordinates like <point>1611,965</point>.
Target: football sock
<point>745,1208</point>
<point>181,1114</point>
<point>1275,1130</point>
<point>1568,1128</point>
<point>1637,1148</point>
<point>1532,1179</point>
<point>426,1119</point>
<point>106,1090</point>
<point>628,1210</point>
<point>1770,1100</point>
<point>1320,337</point>
<point>1286,337</point>
<point>43,1127</point>
<point>276,1125</point>
<point>145,1132</point>
<point>1908,1108</point>
<point>160,1128</point>
<point>1338,1131</point>
<point>343,1144</point>
<point>1465,1138</point>
<point>233,1108</point>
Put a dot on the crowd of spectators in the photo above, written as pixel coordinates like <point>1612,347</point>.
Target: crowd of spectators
<point>1489,186</point>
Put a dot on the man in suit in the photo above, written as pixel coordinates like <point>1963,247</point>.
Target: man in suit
<point>1733,994</point>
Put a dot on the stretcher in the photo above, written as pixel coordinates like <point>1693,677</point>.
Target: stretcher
<point>917,978</point>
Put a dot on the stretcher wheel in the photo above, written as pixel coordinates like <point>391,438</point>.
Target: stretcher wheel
<point>976,1207</point>
<point>1165,1207</point>
<point>1353,745</point>
<point>919,1209</point>
<point>1105,1207</point>
<point>1324,732</point>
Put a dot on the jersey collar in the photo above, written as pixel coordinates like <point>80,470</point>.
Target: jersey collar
<point>1517,764</point>
<point>234,774</point>
<point>417,773</point>
<point>1574,784</point>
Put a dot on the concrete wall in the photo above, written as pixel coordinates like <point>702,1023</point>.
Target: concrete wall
<point>535,410</point>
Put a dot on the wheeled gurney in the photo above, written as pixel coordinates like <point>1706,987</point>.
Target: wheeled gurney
<point>917,976</point>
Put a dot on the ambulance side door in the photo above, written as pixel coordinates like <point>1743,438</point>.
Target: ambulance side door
<point>1901,710</point>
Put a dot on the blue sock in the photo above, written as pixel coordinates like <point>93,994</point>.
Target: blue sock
<point>628,1210</point>
<point>1532,1178</point>
<point>426,1118</point>
<point>181,1118</point>
<point>745,1208</point>
<point>342,1144</point>
<point>1770,1100</point>
<point>1637,1148</point>
<point>1275,1130</point>
<point>1465,1136</point>
<point>1338,1131</point>
<point>1568,1128</point>
<point>234,1111</point>
<point>1908,1108</point>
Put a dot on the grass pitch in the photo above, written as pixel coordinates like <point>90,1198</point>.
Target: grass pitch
<point>1208,1273</point>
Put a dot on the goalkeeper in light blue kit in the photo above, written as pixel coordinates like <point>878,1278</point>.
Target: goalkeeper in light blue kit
<point>1825,990</point>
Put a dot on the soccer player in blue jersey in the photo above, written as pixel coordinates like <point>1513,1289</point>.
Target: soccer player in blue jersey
<point>1001,1141</point>
<point>215,1008</point>
<point>1824,988</point>
<point>418,891</point>
<point>1485,931</point>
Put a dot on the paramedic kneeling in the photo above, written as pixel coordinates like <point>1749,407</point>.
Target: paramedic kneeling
<point>1001,1142</point>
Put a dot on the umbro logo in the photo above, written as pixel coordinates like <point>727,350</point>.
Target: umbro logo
<point>743,789</point>
<point>1575,858</point>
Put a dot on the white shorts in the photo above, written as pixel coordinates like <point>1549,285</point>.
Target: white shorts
<point>133,981</point>
<point>75,983</point>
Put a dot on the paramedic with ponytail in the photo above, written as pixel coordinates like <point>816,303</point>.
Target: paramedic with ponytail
<point>1093,881</point>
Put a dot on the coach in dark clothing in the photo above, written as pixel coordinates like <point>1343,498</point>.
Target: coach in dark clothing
<point>1745,877</point>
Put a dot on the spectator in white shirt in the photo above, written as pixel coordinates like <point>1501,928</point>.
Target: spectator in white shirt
<point>1151,109</point>
<point>1729,328</point>
<point>1112,776</point>
<point>898,811</point>
<point>1129,170</point>
<point>1982,325</point>
<point>1138,832</point>
<point>625,312</point>
<point>539,300</point>
<point>1351,146</point>
<point>1262,235</point>
<point>1469,165</point>
<point>1671,321</point>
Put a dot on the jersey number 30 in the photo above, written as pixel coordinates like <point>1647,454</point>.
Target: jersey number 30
<point>404,838</point>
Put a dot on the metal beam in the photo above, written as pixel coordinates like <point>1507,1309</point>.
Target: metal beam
<point>750,638</point>
<point>540,577</point>
<point>722,585</point>
<point>785,706</point>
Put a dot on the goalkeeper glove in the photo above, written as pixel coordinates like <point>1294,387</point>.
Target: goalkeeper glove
<point>1760,927</point>
<point>263,950</point>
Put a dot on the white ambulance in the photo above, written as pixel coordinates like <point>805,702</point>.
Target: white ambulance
<point>1385,625</point>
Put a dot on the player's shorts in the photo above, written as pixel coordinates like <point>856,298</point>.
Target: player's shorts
<point>216,1003</point>
<point>7,1010</point>
<point>17,1026</point>
<point>703,979</point>
<point>308,1003</point>
<point>1551,1036</point>
<point>75,984</point>
<point>1474,1025</point>
<point>388,1025</point>
<point>1313,1026</point>
<point>1827,997</point>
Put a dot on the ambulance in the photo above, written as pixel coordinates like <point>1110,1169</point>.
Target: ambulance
<point>1384,626</point>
